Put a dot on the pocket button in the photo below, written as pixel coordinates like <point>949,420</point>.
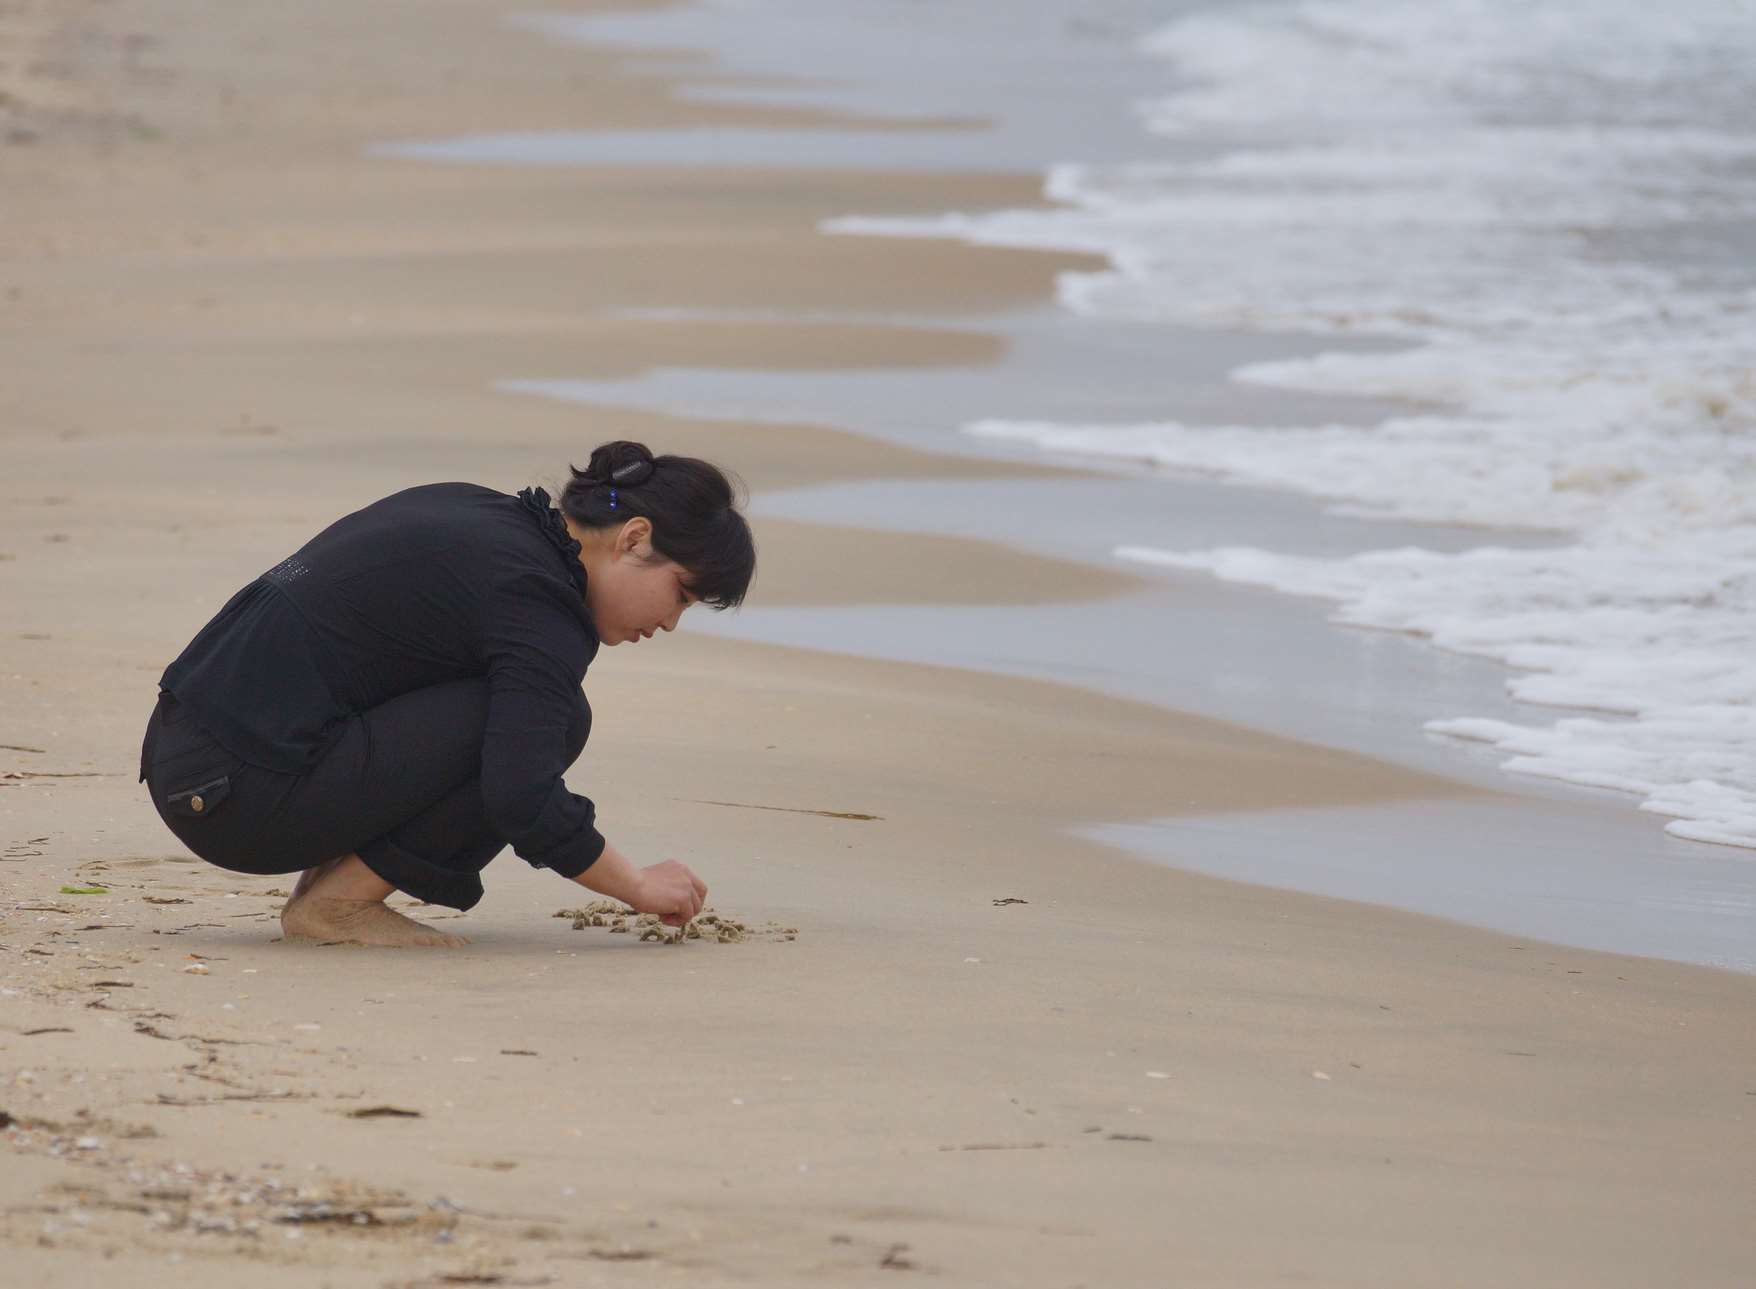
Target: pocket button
<point>196,803</point>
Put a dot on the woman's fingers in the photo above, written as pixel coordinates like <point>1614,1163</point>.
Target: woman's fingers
<point>674,893</point>
<point>696,896</point>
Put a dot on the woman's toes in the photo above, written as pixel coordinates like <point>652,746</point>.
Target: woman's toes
<point>439,939</point>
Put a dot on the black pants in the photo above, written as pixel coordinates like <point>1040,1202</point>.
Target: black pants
<point>401,789</point>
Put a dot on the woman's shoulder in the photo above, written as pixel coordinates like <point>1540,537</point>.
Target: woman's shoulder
<point>463,519</point>
<point>446,504</point>
<point>519,535</point>
<point>454,491</point>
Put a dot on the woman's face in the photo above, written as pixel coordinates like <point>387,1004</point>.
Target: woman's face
<point>633,592</point>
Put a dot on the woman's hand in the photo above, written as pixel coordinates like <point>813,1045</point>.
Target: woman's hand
<point>670,890</point>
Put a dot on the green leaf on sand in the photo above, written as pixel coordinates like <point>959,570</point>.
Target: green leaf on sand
<point>85,890</point>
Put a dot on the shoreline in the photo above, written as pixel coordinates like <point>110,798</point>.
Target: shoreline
<point>224,354</point>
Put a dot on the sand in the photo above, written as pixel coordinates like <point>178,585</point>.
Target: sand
<point>990,1054</point>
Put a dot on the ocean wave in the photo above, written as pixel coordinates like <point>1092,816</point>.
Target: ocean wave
<point>1556,210</point>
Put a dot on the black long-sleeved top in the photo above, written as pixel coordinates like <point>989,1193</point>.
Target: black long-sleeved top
<point>436,583</point>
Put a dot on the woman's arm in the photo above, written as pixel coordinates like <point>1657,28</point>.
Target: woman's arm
<point>668,889</point>
<point>534,652</point>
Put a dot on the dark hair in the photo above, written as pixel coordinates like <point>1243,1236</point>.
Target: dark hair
<point>691,504</point>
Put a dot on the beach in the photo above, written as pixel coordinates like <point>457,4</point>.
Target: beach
<point>960,1039</point>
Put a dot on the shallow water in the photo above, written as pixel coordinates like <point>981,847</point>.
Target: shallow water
<point>1559,206</point>
<point>1554,870</point>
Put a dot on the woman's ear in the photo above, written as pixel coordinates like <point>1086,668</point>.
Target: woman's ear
<point>633,536</point>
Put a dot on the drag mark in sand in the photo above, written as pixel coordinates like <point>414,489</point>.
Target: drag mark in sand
<point>1000,1145</point>
<point>58,774</point>
<point>166,1098</point>
<point>791,810</point>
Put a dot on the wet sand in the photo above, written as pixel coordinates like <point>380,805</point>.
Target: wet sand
<point>993,1054</point>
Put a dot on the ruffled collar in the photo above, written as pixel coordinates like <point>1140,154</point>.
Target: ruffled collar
<point>554,527</point>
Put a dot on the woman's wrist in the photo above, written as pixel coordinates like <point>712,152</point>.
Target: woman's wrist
<point>612,874</point>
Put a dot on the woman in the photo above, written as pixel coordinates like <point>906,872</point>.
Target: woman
<point>395,703</point>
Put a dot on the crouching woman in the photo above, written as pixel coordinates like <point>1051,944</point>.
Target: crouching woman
<point>394,704</point>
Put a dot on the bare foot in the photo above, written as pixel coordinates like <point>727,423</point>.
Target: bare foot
<point>310,877</point>
<point>330,921</point>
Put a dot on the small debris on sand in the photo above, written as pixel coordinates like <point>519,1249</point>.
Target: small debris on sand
<point>1010,899</point>
<point>176,1197</point>
<point>384,1112</point>
<point>597,913</point>
<point>707,925</point>
<point>85,890</point>
<point>893,1259</point>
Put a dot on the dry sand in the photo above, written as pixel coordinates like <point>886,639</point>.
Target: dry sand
<point>223,327</point>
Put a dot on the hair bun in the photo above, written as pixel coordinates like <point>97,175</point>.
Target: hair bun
<point>622,464</point>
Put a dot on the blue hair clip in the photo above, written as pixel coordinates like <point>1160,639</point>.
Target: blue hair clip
<point>612,498</point>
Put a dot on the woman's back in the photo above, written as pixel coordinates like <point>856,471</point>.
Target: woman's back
<point>413,590</point>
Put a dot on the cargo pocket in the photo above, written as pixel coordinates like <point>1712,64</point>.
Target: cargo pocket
<point>200,801</point>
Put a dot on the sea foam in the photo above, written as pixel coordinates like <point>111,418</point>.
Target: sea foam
<point>1555,209</point>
